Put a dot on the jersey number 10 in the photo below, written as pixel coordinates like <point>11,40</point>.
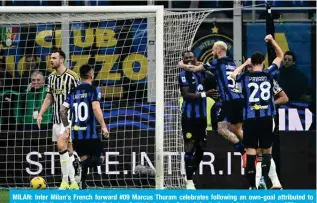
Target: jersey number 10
<point>81,111</point>
<point>265,88</point>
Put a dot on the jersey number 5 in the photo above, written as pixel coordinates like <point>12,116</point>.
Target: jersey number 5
<point>265,88</point>
<point>81,111</point>
<point>231,81</point>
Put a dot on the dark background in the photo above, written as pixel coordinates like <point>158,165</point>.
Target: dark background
<point>298,160</point>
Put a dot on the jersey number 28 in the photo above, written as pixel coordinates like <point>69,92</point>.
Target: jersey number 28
<point>264,87</point>
<point>81,111</point>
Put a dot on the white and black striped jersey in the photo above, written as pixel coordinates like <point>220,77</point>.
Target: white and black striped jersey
<point>59,86</point>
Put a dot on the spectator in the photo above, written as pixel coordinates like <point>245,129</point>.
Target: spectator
<point>292,80</point>
<point>31,65</point>
<point>8,103</point>
<point>5,77</point>
<point>33,98</point>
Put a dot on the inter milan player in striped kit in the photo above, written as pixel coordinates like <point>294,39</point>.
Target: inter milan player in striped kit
<point>280,98</point>
<point>60,82</point>
<point>259,109</point>
<point>232,103</point>
<point>194,121</point>
<point>84,104</point>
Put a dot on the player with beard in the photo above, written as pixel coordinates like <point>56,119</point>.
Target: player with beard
<point>60,83</point>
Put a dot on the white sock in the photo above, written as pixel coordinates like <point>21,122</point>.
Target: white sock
<point>71,170</point>
<point>64,165</point>
<point>258,173</point>
<point>273,175</point>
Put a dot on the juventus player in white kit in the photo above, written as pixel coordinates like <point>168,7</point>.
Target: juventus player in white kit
<point>60,82</point>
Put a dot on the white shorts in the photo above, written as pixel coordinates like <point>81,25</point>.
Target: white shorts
<point>57,128</point>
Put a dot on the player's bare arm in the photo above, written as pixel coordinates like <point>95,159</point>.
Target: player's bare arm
<point>240,68</point>
<point>190,67</point>
<point>98,113</point>
<point>278,51</point>
<point>281,98</point>
<point>48,101</point>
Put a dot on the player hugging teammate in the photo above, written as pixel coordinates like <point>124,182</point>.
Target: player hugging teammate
<point>194,90</point>
<point>254,106</point>
<point>232,100</point>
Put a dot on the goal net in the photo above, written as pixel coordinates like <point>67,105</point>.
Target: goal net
<point>122,47</point>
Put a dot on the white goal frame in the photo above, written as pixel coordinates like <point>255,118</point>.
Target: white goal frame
<point>159,61</point>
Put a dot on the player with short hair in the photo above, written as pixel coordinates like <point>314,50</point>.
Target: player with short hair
<point>232,100</point>
<point>280,98</point>
<point>194,115</point>
<point>60,82</point>
<point>84,105</point>
<point>259,109</point>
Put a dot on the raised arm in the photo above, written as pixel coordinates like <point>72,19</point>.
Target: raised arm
<point>278,51</point>
<point>240,68</point>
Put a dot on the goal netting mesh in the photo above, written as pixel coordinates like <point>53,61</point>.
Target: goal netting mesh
<point>121,47</point>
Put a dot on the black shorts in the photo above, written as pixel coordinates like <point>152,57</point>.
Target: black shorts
<point>194,129</point>
<point>231,111</point>
<point>93,147</point>
<point>258,133</point>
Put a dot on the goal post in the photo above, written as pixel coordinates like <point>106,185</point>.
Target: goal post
<point>174,32</point>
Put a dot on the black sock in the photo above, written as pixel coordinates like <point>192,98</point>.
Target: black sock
<point>250,170</point>
<point>266,163</point>
<point>238,147</point>
<point>198,156</point>
<point>84,173</point>
<point>189,165</point>
<point>94,161</point>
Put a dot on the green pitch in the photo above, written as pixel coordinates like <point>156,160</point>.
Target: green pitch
<point>4,196</point>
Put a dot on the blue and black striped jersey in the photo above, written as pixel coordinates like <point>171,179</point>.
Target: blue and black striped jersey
<point>257,89</point>
<point>222,69</point>
<point>193,109</point>
<point>79,101</point>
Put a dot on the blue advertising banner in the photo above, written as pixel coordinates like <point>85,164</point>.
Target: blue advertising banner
<point>162,196</point>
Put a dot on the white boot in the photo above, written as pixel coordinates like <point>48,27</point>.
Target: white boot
<point>190,185</point>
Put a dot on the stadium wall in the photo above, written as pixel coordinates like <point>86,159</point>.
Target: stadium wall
<point>32,153</point>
